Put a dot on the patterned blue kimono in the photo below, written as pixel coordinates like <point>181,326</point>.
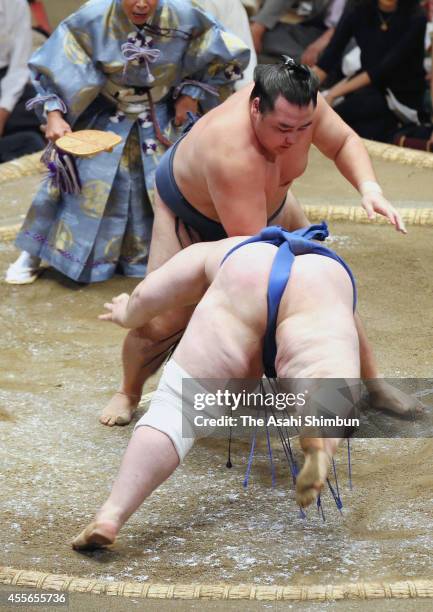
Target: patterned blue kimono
<point>105,73</point>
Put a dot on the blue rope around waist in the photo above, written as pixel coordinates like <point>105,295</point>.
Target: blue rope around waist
<point>290,244</point>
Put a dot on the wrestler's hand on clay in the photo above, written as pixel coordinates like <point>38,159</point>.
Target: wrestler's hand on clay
<point>56,126</point>
<point>377,203</point>
<point>117,310</point>
<point>182,106</point>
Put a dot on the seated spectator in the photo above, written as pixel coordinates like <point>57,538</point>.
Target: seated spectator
<point>389,87</point>
<point>19,130</point>
<point>40,22</point>
<point>303,41</point>
<point>430,26</point>
<point>233,16</point>
<point>41,29</point>
<point>430,16</point>
<point>252,6</point>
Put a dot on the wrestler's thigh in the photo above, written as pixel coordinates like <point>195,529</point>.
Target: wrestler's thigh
<point>316,335</point>
<point>165,241</point>
<point>292,216</point>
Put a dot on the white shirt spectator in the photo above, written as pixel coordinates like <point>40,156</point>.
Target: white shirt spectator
<point>233,16</point>
<point>15,50</point>
<point>334,13</point>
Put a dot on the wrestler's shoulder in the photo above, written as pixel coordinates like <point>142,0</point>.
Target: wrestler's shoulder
<point>234,164</point>
<point>225,142</point>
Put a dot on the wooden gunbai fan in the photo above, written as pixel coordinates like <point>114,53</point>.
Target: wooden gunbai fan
<point>86,143</point>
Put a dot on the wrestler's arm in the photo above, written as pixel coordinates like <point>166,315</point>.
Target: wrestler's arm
<point>335,139</point>
<point>236,184</point>
<point>181,281</point>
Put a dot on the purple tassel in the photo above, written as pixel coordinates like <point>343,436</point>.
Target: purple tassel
<point>62,170</point>
<point>349,463</point>
<point>251,458</point>
<point>271,460</point>
<point>320,507</point>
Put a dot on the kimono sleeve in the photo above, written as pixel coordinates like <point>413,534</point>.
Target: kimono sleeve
<point>64,74</point>
<point>214,59</point>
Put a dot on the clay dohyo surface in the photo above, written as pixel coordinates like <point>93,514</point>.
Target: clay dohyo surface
<point>59,366</point>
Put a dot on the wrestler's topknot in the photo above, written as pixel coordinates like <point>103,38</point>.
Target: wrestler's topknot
<point>295,82</point>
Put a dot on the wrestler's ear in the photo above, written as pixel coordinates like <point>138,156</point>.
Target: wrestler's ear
<point>255,106</point>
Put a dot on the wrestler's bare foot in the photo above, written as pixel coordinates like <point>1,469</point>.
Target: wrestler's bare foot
<point>312,477</point>
<point>98,534</point>
<point>383,396</point>
<point>119,409</point>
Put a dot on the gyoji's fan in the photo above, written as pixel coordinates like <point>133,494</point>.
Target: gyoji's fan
<point>59,157</point>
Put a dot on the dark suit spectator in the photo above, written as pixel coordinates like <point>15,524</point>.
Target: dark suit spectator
<point>430,15</point>
<point>391,82</point>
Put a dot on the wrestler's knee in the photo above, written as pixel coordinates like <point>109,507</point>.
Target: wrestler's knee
<point>168,413</point>
<point>145,335</point>
<point>149,336</point>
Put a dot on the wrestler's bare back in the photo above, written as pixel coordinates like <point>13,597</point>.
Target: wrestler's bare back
<point>225,137</point>
<point>225,334</point>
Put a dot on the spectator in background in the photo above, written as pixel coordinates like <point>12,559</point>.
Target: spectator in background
<point>19,130</point>
<point>430,16</point>
<point>304,41</point>
<point>430,26</point>
<point>41,29</point>
<point>391,83</point>
<point>40,21</point>
<point>233,16</point>
<point>252,6</point>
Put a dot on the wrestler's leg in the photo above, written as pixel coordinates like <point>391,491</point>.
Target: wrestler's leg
<point>382,395</point>
<point>317,339</point>
<point>318,454</point>
<point>168,236</point>
<point>148,461</point>
<point>143,349</point>
<point>162,438</point>
<point>143,352</point>
<point>292,216</point>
